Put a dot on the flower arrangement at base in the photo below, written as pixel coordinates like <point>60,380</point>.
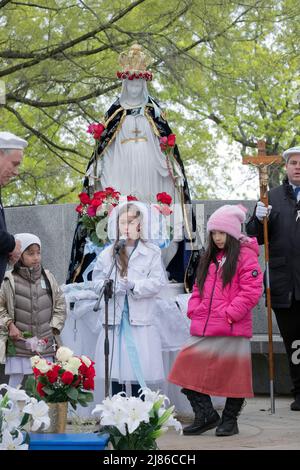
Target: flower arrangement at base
<point>135,423</point>
<point>18,412</point>
<point>69,379</point>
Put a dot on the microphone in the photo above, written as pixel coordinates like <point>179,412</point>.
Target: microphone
<point>119,245</point>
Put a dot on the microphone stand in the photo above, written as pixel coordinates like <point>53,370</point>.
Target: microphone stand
<point>107,291</point>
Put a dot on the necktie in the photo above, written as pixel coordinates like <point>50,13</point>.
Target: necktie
<point>297,191</point>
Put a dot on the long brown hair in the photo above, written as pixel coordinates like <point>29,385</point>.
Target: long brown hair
<point>122,258</point>
<point>231,251</point>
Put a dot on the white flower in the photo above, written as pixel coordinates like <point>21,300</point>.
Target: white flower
<point>138,411</point>
<point>14,394</point>
<point>171,422</point>
<point>86,361</point>
<point>119,411</point>
<point>11,417</point>
<point>43,366</point>
<point>34,360</point>
<point>154,397</point>
<point>63,354</point>
<point>39,412</point>
<point>11,443</point>
<point>72,365</point>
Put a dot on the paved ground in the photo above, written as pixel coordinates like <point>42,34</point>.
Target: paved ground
<point>259,429</point>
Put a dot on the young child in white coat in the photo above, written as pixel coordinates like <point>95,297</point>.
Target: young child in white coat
<point>135,345</point>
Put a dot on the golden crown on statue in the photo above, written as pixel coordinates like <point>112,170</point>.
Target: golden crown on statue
<point>134,64</point>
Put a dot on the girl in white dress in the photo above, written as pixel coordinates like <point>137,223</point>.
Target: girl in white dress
<point>135,345</point>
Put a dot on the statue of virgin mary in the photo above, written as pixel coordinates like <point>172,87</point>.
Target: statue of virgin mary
<point>129,158</point>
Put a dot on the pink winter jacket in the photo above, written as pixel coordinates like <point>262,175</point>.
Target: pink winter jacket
<point>227,312</point>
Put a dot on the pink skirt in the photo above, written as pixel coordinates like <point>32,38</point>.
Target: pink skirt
<point>219,366</point>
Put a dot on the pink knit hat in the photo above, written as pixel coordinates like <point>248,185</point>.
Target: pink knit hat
<point>228,219</point>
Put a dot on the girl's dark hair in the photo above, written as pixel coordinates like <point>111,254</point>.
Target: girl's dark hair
<point>231,251</point>
<point>122,254</point>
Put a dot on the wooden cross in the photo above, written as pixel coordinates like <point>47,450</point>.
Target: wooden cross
<point>262,161</point>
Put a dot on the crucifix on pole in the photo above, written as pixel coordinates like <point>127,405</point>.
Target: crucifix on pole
<point>262,161</point>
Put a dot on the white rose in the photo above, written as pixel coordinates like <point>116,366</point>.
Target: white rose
<point>63,354</point>
<point>34,360</point>
<point>43,366</point>
<point>72,365</point>
<point>86,361</point>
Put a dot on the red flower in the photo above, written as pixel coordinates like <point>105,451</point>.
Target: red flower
<point>79,209</point>
<point>163,143</point>
<point>67,377</point>
<point>164,198</point>
<point>36,372</point>
<point>84,198</point>
<point>90,372</point>
<point>96,202</point>
<point>171,140</point>
<point>91,212</point>
<point>53,374</point>
<point>96,130</point>
<point>40,389</point>
<point>100,195</point>
<point>109,190</point>
<point>131,198</point>
<point>88,384</point>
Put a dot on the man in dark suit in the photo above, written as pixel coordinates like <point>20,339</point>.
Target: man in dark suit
<point>11,154</point>
<point>284,245</point>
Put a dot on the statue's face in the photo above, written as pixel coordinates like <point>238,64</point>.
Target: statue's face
<point>134,87</point>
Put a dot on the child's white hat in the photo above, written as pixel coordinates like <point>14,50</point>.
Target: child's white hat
<point>153,225</point>
<point>27,239</point>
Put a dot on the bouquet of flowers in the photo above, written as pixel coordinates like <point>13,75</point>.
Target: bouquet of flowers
<point>68,379</point>
<point>135,423</point>
<point>17,412</point>
<point>94,213</point>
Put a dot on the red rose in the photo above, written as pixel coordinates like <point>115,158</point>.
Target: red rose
<point>79,209</point>
<point>171,140</point>
<point>88,384</point>
<point>96,130</point>
<point>163,143</point>
<point>40,389</point>
<point>131,198</point>
<point>90,372</point>
<point>109,190</point>
<point>84,198</point>
<point>164,198</point>
<point>67,377</point>
<point>53,374</point>
<point>100,195</point>
<point>36,372</point>
<point>91,212</point>
<point>83,368</point>
<point>96,203</point>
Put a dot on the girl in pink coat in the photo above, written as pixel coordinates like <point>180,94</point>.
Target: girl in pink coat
<point>217,358</point>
